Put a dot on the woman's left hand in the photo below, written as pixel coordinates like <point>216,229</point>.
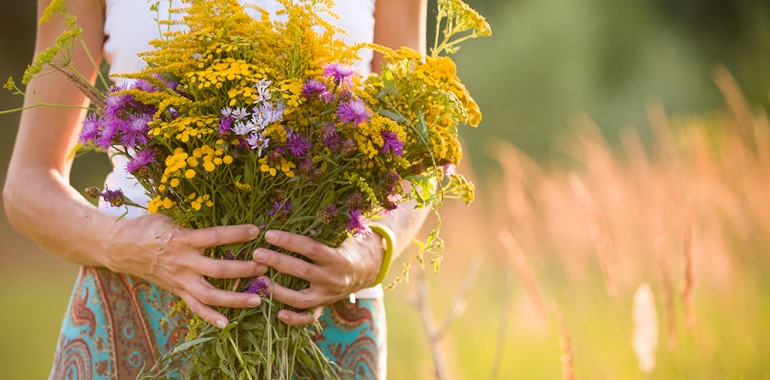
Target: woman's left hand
<point>333,273</point>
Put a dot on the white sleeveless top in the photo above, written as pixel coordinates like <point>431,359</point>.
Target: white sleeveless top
<point>129,25</point>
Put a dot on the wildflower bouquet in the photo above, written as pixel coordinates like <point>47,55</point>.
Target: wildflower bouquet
<point>239,120</point>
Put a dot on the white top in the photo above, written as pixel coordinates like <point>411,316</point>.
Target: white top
<point>129,25</point>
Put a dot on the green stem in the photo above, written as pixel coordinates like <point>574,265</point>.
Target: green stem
<point>238,355</point>
<point>42,105</point>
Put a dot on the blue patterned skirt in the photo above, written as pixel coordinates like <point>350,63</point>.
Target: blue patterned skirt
<point>117,324</point>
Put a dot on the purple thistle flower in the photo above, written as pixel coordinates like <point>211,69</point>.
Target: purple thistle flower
<point>145,86</point>
<point>341,73</point>
<point>116,104</point>
<point>90,129</point>
<point>226,125</point>
<point>259,286</point>
<point>314,87</point>
<point>297,145</point>
<point>109,131</point>
<point>392,201</point>
<point>134,130</point>
<point>330,137</point>
<point>391,141</point>
<point>353,111</point>
<point>140,160</point>
<point>357,225</point>
<point>113,197</point>
<point>282,207</point>
<point>347,147</point>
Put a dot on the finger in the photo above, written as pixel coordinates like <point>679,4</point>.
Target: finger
<point>206,313</point>
<point>218,268</point>
<point>221,235</point>
<point>303,245</point>
<point>207,294</point>
<point>288,264</point>
<point>293,318</point>
<point>300,299</point>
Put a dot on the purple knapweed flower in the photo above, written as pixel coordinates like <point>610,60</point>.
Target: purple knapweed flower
<point>357,226</point>
<point>226,126</point>
<point>115,104</point>
<point>330,137</point>
<point>114,197</point>
<point>280,208</point>
<point>90,130</point>
<point>134,130</point>
<point>140,160</point>
<point>108,133</point>
<point>353,111</point>
<point>315,88</point>
<point>145,86</point>
<point>341,73</point>
<point>391,142</point>
<point>259,286</point>
<point>392,201</point>
<point>296,144</point>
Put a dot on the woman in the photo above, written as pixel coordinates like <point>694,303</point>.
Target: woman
<point>134,268</point>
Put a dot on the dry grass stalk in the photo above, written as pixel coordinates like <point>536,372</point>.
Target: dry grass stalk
<point>668,292</point>
<point>521,264</point>
<point>599,233</point>
<point>565,344</point>
<point>686,286</point>
<point>433,332</point>
<point>502,330</point>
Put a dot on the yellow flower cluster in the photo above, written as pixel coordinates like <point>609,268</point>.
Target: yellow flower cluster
<point>368,136</point>
<point>285,166</point>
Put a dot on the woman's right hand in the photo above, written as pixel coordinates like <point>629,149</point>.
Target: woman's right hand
<point>154,248</point>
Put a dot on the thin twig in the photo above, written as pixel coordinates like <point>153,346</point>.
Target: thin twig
<point>502,329</point>
<point>457,307</point>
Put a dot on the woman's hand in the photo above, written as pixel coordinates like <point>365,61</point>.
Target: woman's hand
<point>153,248</point>
<point>333,273</point>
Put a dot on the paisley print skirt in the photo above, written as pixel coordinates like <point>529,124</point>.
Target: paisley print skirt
<point>116,325</point>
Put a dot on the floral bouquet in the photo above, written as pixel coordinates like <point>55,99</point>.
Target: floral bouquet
<point>239,120</point>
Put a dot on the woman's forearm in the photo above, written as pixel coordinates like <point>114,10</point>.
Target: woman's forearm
<point>38,199</point>
<point>399,23</point>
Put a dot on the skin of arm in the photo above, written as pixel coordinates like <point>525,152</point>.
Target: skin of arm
<point>334,273</point>
<point>41,204</point>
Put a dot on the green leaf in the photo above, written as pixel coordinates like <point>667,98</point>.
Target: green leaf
<point>183,346</point>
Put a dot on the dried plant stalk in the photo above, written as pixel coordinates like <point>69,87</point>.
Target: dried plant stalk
<point>565,344</point>
<point>521,264</point>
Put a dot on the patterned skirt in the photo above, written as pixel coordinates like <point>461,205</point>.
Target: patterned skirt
<point>114,327</point>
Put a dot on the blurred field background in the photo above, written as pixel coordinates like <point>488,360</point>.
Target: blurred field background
<point>624,143</point>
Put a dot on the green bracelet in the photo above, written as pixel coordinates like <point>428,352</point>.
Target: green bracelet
<point>390,242</point>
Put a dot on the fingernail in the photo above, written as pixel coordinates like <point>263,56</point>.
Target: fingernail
<point>254,301</point>
<point>221,323</point>
<point>270,236</point>
<point>253,231</point>
<point>260,255</point>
